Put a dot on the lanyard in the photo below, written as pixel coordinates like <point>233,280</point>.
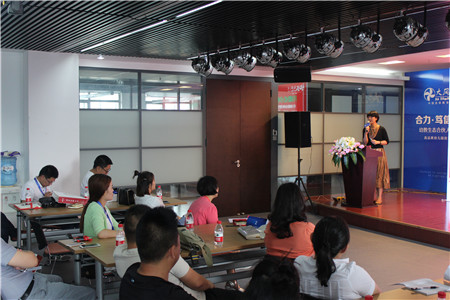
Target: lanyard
<point>112,226</point>
<point>39,186</point>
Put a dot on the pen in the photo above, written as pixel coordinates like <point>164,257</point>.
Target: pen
<point>424,288</point>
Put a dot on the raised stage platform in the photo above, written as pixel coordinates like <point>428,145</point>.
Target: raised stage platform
<point>415,215</point>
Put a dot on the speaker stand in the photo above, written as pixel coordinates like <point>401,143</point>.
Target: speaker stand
<point>299,181</point>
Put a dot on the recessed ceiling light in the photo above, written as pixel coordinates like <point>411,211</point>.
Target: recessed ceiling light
<point>355,70</point>
<point>100,57</point>
<point>443,56</point>
<point>392,62</point>
<point>165,90</point>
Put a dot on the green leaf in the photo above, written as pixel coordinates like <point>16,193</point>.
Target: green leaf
<point>345,161</point>
<point>336,160</point>
<point>360,153</point>
<point>354,157</point>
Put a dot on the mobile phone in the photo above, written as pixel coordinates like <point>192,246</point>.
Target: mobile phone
<point>90,245</point>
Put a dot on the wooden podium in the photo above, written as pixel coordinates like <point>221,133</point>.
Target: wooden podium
<point>359,179</point>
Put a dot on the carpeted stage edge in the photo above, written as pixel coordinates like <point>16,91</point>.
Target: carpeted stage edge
<point>415,215</point>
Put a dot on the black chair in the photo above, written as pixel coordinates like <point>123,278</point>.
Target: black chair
<point>53,251</point>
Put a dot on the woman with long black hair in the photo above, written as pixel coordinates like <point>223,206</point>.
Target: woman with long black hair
<point>96,219</point>
<point>288,234</point>
<point>327,275</point>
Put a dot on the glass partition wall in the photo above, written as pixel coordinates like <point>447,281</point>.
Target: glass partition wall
<point>154,121</point>
<point>143,121</point>
<point>337,110</point>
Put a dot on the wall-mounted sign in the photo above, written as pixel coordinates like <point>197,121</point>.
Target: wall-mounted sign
<point>292,97</point>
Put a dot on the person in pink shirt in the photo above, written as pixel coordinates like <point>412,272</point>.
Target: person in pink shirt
<point>203,210</point>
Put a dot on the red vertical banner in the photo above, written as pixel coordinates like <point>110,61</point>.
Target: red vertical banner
<point>292,97</point>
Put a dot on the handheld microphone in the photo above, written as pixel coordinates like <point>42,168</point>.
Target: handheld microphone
<point>367,124</point>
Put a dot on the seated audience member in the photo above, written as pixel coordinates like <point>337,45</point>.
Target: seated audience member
<point>8,229</point>
<point>203,210</point>
<point>273,279</point>
<point>18,283</point>
<point>102,165</point>
<point>96,219</point>
<point>40,185</point>
<point>328,275</point>
<point>288,234</point>
<point>127,254</point>
<point>145,184</point>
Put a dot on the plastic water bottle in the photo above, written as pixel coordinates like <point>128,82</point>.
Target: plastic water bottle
<point>120,237</point>
<point>218,234</point>
<point>441,295</point>
<point>159,192</point>
<point>28,198</point>
<point>190,220</point>
<point>86,192</point>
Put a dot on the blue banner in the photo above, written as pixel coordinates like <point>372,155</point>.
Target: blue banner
<point>426,130</point>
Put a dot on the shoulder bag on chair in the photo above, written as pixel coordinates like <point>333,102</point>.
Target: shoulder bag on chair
<point>191,241</point>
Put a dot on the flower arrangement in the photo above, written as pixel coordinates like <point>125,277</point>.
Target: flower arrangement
<point>344,148</point>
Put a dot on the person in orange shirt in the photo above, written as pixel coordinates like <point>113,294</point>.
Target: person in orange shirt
<point>288,233</point>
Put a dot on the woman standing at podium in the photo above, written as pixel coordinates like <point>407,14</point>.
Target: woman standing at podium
<point>376,136</point>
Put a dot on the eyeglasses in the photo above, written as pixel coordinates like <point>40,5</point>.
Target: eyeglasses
<point>50,180</point>
<point>106,170</point>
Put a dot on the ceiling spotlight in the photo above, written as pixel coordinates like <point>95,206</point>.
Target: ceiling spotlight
<point>245,61</point>
<point>291,50</point>
<point>202,66</point>
<point>223,64</point>
<point>338,48</point>
<point>101,57</point>
<point>305,54</point>
<point>266,54</point>
<point>325,43</point>
<point>421,36</point>
<point>361,36</point>
<point>276,59</point>
<point>408,30</point>
<point>405,28</point>
<point>375,43</point>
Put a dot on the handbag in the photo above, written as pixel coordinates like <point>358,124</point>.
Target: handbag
<point>125,196</point>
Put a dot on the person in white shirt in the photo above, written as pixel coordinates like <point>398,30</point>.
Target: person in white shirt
<point>102,165</point>
<point>327,275</point>
<point>127,254</point>
<point>145,184</point>
<point>40,185</point>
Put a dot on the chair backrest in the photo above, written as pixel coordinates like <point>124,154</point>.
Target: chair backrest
<point>39,233</point>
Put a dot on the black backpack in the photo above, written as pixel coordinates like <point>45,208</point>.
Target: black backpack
<point>125,196</point>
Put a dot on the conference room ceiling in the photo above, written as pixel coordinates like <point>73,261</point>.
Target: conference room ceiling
<point>71,26</point>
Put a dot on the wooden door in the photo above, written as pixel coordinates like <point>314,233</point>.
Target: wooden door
<point>238,128</point>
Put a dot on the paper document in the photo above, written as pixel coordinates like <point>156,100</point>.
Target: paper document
<point>425,286</point>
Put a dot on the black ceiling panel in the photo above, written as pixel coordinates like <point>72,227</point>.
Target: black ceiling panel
<point>71,26</point>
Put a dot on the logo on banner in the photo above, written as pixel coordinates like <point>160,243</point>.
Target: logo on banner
<point>438,96</point>
<point>429,94</point>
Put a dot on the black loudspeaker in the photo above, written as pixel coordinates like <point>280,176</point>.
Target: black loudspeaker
<point>297,129</point>
<point>297,73</point>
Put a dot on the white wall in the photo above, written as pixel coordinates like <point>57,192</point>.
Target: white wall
<point>14,129</point>
<point>53,118</point>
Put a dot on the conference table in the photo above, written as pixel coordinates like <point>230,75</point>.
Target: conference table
<point>64,212</point>
<point>235,247</point>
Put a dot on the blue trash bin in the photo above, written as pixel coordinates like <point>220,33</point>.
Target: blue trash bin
<point>9,171</point>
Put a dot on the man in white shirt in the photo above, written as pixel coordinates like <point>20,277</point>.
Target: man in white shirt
<point>40,185</point>
<point>102,165</point>
<point>127,254</point>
